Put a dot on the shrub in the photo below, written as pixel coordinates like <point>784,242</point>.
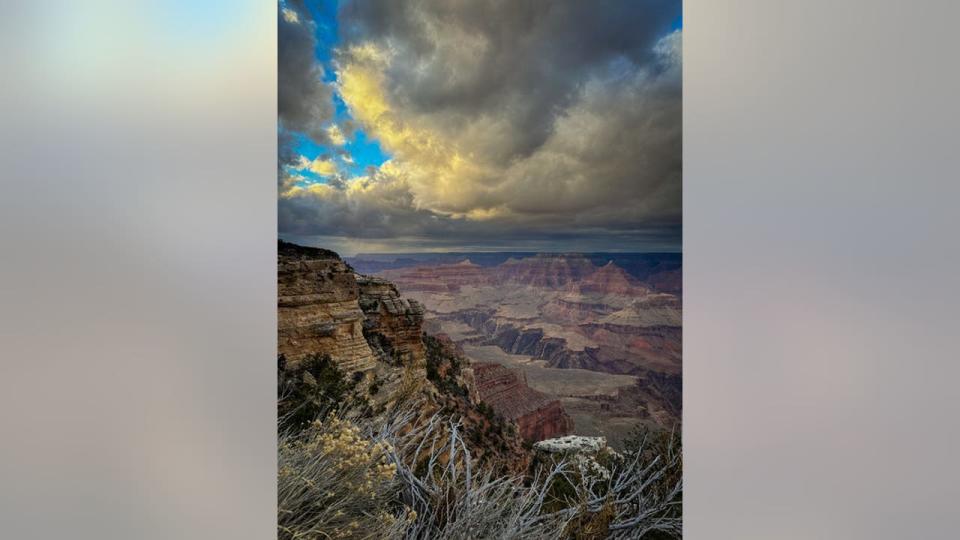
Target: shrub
<point>335,483</point>
<point>399,476</point>
<point>314,386</point>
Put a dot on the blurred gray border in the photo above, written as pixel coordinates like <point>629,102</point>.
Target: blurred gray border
<point>821,361</point>
<point>138,270</point>
<point>137,273</point>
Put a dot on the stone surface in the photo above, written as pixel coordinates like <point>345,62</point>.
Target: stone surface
<point>546,270</point>
<point>326,308</point>
<point>318,311</point>
<point>571,443</point>
<point>365,325</point>
<point>586,452</point>
<point>537,415</point>
<point>397,319</point>
<point>610,279</point>
<point>440,278</point>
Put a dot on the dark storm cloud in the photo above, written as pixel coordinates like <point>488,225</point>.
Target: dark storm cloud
<point>567,115</point>
<point>524,62</point>
<point>304,102</point>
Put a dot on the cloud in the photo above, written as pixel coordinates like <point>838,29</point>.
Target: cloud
<point>508,123</point>
<point>290,15</point>
<point>336,136</point>
<point>304,101</point>
<point>322,166</point>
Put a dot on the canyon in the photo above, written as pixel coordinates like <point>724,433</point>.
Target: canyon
<point>554,344</point>
<point>605,342</point>
<point>376,337</point>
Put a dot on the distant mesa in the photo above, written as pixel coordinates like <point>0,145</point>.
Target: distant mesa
<point>547,269</point>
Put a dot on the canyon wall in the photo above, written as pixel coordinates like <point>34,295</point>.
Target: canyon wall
<point>568,311</point>
<point>324,308</point>
<point>365,325</point>
<point>394,323</point>
<point>318,310</point>
<point>505,390</point>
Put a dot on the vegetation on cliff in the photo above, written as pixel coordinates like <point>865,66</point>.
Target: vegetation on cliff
<point>352,472</point>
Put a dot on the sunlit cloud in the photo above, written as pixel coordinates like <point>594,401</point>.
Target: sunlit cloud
<point>336,136</point>
<point>321,166</point>
<point>500,130</point>
<point>290,15</point>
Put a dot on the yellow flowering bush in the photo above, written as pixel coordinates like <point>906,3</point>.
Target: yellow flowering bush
<point>334,482</point>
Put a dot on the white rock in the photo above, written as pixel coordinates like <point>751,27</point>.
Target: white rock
<point>572,443</point>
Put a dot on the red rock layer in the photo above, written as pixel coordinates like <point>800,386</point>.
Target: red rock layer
<point>546,270</point>
<point>538,416</point>
<point>440,278</point>
<point>611,279</point>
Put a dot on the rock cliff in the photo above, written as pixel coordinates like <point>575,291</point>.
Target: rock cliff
<point>318,309</point>
<point>505,390</point>
<point>440,278</point>
<point>372,333</point>
<point>394,324</point>
<point>323,307</point>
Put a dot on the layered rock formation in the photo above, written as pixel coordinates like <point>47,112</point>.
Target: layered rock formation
<point>440,278</point>
<point>505,390</point>
<point>610,279</point>
<point>566,311</point>
<point>318,309</point>
<point>649,310</point>
<point>323,308</point>
<point>546,270</point>
<point>374,334</point>
<point>393,322</point>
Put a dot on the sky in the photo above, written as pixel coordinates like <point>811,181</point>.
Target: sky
<point>482,125</point>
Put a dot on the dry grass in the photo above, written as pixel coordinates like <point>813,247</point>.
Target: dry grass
<point>403,477</point>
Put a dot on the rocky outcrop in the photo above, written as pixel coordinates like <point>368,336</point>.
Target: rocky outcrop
<point>357,337</point>
<point>610,279</point>
<point>324,308</point>
<point>588,453</point>
<point>318,310</point>
<point>395,323</point>
<point>505,390</point>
